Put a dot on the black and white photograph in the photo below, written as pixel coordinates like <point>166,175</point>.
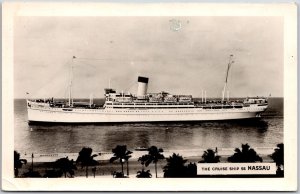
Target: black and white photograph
<point>115,95</point>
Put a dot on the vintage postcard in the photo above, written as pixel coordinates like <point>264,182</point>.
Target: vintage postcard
<point>122,97</point>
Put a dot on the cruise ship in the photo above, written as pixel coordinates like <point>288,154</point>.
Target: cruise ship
<point>144,107</point>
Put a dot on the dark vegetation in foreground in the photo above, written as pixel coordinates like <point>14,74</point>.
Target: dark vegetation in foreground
<point>176,165</point>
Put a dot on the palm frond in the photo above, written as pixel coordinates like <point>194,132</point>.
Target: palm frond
<point>112,159</point>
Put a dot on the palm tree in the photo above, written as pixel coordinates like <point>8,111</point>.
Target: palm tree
<point>32,174</point>
<point>121,153</point>
<point>32,156</point>
<point>53,173</point>
<point>118,174</point>
<point>245,155</point>
<point>153,156</point>
<point>143,159</point>
<point>210,156</point>
<point>66,166</point>
<point>175,166</point>
<point>278,157</point>
<point>191,170</point>
<point>18,163</point>
<point>144,174</point>
<point>278,154</point>
<point>85,158</point>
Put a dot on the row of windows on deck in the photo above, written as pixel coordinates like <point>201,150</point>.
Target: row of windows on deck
<point>95,110</point>
<point>132,104</point>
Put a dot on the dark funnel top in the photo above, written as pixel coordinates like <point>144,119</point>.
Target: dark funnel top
<point>143,79</point>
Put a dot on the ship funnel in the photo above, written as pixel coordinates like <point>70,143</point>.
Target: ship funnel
<point>142,86</point>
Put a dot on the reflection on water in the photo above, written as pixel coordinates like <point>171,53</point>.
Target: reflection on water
<point>47,138</point>
<point>64,138</point>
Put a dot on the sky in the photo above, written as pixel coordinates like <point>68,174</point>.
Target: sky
<point>182,61</point>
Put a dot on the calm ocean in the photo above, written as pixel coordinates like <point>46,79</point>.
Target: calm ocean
<point>63,138</point>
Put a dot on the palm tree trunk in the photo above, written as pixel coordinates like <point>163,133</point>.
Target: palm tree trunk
<point>16,172</point>
<point>127,169</point>
<point>122,168</point>
<point>86,171</point>
<point>32,162</point>
<point>155,169</point>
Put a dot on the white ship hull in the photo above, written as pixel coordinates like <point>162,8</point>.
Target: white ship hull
<point>59,115</point>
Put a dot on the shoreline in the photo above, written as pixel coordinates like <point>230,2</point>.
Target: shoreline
<point>105,168</point>
<point>102,156</point>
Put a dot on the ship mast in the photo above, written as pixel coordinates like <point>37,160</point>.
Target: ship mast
<point>225,85</point>
<point>70,84</point>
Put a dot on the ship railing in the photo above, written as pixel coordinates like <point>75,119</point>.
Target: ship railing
<point>153,104</point>
<point>219,106</point>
